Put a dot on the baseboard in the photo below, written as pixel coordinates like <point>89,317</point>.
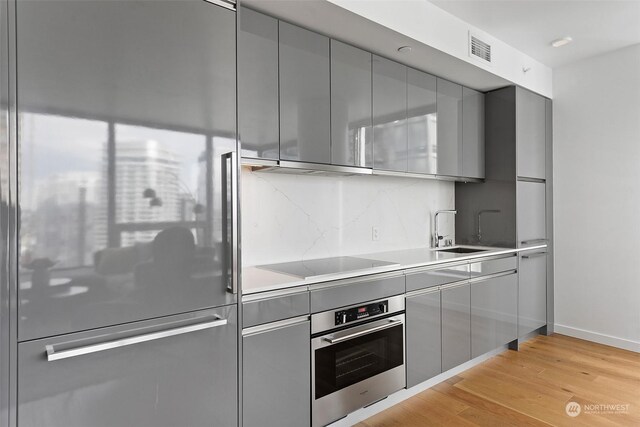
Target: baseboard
<point>622,343</point>
<point>399,396</point>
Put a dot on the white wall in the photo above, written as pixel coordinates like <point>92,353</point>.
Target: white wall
<point>295,217</point>
<point>426,23</point>
<point>597,198</point>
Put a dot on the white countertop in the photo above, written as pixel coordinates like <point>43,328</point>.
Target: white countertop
<point>256,279</point>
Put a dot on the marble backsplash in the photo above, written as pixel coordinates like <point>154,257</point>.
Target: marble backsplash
<point>296,217</point>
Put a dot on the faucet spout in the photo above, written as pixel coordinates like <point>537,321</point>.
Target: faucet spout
<point>437,237</point>
<point>479,218</point>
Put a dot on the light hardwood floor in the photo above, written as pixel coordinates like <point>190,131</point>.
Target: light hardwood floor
<point>530,387</point>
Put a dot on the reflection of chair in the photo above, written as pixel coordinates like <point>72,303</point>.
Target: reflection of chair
<point>173,252</point>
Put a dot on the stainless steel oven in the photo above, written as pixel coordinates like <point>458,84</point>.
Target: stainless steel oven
<point>357,358</point>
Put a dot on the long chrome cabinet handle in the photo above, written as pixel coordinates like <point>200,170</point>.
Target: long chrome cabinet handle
<point>391,324</point>
<point>234,222</point>
<point>492,276</point>
<point>532,241</point>
<point>537,254</point>
<point>52,354</point>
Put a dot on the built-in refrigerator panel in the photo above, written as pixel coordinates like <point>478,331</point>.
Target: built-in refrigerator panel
<point>126,116</point>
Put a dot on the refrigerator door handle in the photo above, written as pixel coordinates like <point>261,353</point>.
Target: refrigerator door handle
<point>230,216</point>
<point>53,354</point>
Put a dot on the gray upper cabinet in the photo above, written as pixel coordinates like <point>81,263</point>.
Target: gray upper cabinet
<point>277,377</point>
<point>186,379</point>
<point>305,120</point>
<point>449,156</point>
<point>494,313</point>
<point>389,115</point>
<point>472,133</point>
<point>456,326</point>
<point>530,134</point>
<point>126,115</point>
<point>424,346</point>
<point>351,114</point>
<point>422,116</point>
<point>532,295</point>
<point>531,213</point>
<point>258,85</point>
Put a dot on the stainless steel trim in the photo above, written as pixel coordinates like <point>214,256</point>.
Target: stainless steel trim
<point>439,266</point>
<point>274,325</point>
<point>430,290</point>
<point>228,4</point>
<point>53,354</point>
<point>454,285</point>
<point>357,279</point>
<point>320,167</point>
<point>532,241</point>
<point>342,338</point>
<point>403,174</point>
<point>534,255</point>
<point>493,257</point>
<point>235,267</point>
<point>261,296</point>
<point>536,180</point>
<point>325,321</point>
<point>492,276</point>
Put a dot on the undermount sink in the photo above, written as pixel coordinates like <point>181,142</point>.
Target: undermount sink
<point>461,250</point>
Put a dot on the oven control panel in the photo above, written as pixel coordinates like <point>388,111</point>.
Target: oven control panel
<point>361,312</point>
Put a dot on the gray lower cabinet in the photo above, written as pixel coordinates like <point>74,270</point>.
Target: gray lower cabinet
<point>494,312</point>
<point>389,115</point>
<point>449,156</point>
<point>424,346</point>
<point>456,325</point>
<point>531,213</point>
<point>276,371</point>
<point>351,114</point>
<point>305,120</point>
<point>532,296</point>
<point>530,134</point>
<point>422,117</point>
<point>188,378</point>
<point>258,85</point>
<point>472,133</point>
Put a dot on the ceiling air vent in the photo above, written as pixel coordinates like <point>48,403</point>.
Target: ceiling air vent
<point>479,49</point>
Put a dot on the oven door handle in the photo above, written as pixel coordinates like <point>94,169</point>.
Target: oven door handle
<point>391,324</point>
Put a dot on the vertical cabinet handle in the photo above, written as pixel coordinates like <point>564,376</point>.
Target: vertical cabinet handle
<point>230,219</point>
<point>53,354</point>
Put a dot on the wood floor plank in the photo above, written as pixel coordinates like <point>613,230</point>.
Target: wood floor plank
<point>530,387</point>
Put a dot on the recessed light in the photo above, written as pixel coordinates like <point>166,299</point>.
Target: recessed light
<point>561,42</point>
<point>404,49</point>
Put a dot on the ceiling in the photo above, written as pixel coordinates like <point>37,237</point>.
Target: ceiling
<point>596,26</point>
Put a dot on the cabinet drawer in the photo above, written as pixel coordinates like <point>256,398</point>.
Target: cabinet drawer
<point>354,291</point>
<point>272,309</point>
<point>187,362</point>
<point>492,266</point>
<point>437,276</point>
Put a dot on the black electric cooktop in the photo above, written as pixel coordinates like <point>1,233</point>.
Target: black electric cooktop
<point>324,266</point>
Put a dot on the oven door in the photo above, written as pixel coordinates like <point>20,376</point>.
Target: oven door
<point>355,367</point>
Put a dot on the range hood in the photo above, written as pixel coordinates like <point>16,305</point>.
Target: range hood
<point>303,168</point>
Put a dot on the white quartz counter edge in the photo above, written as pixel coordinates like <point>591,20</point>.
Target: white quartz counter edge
<point>256,280</point>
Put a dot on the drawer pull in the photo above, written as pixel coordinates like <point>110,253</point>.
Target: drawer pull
<point>537,254</point>
<point>53,354</point>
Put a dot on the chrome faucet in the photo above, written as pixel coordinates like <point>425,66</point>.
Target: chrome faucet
<point>437,237</point>
<point>480,215</point>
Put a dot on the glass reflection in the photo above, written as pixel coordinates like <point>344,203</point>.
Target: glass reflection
<point>118,223</point>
